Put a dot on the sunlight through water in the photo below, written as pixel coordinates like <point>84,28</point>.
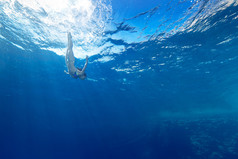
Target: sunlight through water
<point>99,30</point>
<point>46,23</point>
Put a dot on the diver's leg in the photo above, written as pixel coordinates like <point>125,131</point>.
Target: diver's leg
<point>69,58</point>
<point>69,54</point>
<point>70,44</point>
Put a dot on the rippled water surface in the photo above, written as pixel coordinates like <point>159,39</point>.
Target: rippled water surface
<point>162,79</point>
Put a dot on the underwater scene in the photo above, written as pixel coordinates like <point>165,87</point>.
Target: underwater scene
<point>118,79</point>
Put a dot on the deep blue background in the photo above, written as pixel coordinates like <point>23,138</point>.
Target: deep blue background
<point>184,109</point>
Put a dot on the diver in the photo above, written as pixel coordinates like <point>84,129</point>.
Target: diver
<point>69,60</point>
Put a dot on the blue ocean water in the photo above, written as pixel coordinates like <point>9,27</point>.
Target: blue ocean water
<point>162,79</point>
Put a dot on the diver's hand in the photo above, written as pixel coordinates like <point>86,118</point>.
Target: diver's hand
<point>66,72</point>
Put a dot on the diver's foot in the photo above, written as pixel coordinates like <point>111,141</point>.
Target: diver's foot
<point>69,35</point>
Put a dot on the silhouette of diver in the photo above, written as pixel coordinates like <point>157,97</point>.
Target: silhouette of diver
<point>69,60</point>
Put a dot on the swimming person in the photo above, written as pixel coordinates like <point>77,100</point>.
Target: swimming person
<point>69,60</point>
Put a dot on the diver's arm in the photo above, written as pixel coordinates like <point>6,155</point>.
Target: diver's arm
<point>66,72</point>
<point>85,66</point>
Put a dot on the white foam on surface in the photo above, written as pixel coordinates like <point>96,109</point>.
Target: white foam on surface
<point>20,47</point>
<point>47,22</point>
